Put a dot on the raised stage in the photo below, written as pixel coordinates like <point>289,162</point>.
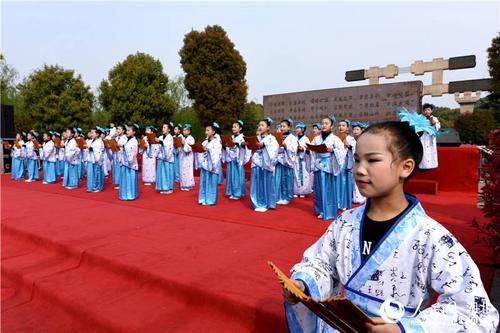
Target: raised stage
<point>86,262</point>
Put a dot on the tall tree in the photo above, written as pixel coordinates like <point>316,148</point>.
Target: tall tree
<point>251,116</point>
<point>10,93</point>
<point>494,63</point>
<point>53,97</point>
<point>177,90</point>
<point>8,77</point>
<point>215,75</point>
<point>136,91</point>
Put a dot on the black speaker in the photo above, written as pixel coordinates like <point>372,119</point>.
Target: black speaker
<point>8,129</point>
<point>448,137</point>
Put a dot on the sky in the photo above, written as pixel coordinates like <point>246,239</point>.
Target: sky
<point>288,46</point>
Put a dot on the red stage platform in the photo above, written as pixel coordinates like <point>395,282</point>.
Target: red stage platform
<point>86,262</point>
<point>457,171</point>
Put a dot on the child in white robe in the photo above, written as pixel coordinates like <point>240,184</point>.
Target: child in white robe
<point>186,159</point>
<point>388,253</point>
<point>303,180</point>
<point>430,157</point>
<point>149,156</point>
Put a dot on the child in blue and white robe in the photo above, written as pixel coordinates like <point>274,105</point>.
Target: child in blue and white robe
<point>236,157</point>
<point>284,172</point>
<point>303,178</point>
<point>165,167</point>
<point>80,156</point>
<point>344,183</point>
<point>95,162</point>
<point>177,133</point>
<point>220,175</point>
<point>72,161</point>
<point>48,155</point>
<point>186,156</point>
<point>262,186</point>
<point>120,139</point>
<point>388,257</point>
<point>85,153</point>
<point>326,166</point>
<point>357,128</point>
<point>149,156</point>
<point>129,181</point>
<point>416,258</point>
<point>32,158</point>
<point>107,154</point>
<point>18,158</point>
<point>59,154</point>
<point>208,162</point>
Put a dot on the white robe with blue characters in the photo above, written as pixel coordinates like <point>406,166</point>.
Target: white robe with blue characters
<point>303,178</point>
<point>186,163</point>
<point>416,257</point>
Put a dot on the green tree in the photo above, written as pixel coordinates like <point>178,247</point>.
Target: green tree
<point>475,127</point>
<point>8,77</point>
<point>494,63</point>
<point>10,93</point>
<point>215,76</point>
<point>99,116</point>
<point>446,116</point>
<point>53,98</point>
<point>136,92</point>
<point>251,116</point>
<point>177,91</point>
<point>188,115</point>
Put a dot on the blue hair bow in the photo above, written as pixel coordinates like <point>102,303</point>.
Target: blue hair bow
<point>300,125</point>
<point>418,122</point>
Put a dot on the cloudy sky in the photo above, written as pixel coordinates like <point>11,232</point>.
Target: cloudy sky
<point>288,46</point>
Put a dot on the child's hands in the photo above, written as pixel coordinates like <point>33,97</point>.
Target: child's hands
<point>288,297</point>
<point>382,327</point>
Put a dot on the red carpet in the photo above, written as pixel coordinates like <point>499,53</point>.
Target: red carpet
<point>82,262</point>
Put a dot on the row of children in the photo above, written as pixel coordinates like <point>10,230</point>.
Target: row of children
<point>280,171</point>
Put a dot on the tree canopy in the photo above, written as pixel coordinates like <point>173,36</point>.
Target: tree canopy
<point>494,63</point>
<point>136,92</point>
<point>53,98</point>
<point>215,76</point>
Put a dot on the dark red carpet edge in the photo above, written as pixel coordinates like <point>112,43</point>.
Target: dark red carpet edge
<point>79,262</point>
